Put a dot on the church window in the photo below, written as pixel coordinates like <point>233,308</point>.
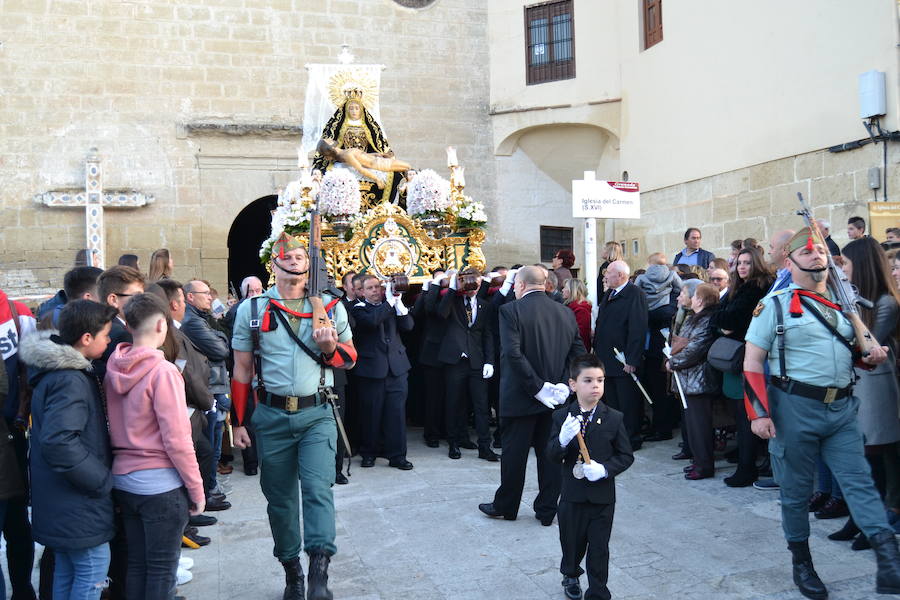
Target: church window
<point>550,40</point>
<point>653,27</point>
<point>554,239</point>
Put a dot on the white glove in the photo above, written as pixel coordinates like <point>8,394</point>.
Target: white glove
<point>389,294</point>
<point>425,286</point>
<point>400,307</point>
<point>547,395</point>
<point>594,471</point>
<point>562,392</point>
<point>570,428</point>
<point>508,282</point>
<point>453,279</point>
<point>487,371</point>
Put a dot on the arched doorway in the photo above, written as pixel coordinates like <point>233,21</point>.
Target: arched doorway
<point>248,231</point>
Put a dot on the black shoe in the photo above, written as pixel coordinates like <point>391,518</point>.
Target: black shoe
<point>888,579</point>
<point>468,445</point>
<point>367,461</point>
<point>845,533</point>
<point>454,452</point>
<point>742,478</point>
<point>805,577</point>
<point>318,577</point>
<point>818,500</point>
<point>341,479</point>
<point>497,444</point>
<point>657,437</point>
<point>402,464</point>
<point>488,454</point>
<point>251,471</point>
<point>294,585</point>
<point>216,503</point>
<point>191,534</point>
<point>572,588</point>
<point>202,521</point>
<point>860,542</point>
<point>636,445</point>
<point>833,509</point>
<point>545,521</point>
<point>432,443</point>
<point>682,456</point>
<point>488,509</point>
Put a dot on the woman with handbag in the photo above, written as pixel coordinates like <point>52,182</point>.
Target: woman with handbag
<point>700,383</point>
<point>750,281</point>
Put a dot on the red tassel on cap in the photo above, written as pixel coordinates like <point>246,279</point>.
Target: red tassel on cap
<point>809,242</point>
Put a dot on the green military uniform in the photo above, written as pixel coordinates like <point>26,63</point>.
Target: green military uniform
<point>814,411</point>
<point>294,444</point>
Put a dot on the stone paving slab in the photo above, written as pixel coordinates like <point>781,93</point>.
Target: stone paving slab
<point>418,535</point>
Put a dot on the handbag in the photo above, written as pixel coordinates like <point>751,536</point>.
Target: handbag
<point>726,355</point>
<point>678,343</point>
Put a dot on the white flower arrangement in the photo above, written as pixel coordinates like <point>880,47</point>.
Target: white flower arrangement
<point>428,193</point>
<point>339,194</point>
<point>360,219</point>
<point>469,212</point>
<point>291,215</point>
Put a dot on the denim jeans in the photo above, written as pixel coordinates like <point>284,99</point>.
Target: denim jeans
<point>153,526</point>
<point>81,574</point>
<point>214,431</point>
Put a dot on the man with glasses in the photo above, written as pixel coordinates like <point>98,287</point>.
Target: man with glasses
<point>115,287</point>
<point>213,344</point>
<point>719,278</point>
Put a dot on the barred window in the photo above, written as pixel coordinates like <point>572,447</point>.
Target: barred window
<point>550,41</point>
<point>554,239</point>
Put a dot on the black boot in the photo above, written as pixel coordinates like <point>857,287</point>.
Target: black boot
<point>805,576</point>
<point>318,576</point>
<point>845,533</point>
<point>294,588</point>
<point>885,545</point>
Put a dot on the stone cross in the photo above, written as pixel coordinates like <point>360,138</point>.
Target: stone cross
<point>94,199</point>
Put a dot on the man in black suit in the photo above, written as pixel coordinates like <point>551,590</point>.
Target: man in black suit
<point>381,371</point>
<point>622,324</point>
<point>467,353</point>
<point>538,339</point>
<point>424,311</point>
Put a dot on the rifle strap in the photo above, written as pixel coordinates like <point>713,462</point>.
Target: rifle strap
<point>314,356</point>
<point>255,324</point>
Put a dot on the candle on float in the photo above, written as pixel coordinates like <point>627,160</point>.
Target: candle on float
<point>302,159</point>
<point>451,157</point>
<point>460,176</point>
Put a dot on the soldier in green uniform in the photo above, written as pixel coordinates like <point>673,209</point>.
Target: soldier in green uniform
<point>294,425</point>
<point>808,408</point>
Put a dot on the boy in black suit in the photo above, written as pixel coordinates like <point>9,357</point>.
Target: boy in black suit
<point>588,497</point>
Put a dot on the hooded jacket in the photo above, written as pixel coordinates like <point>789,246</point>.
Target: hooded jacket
<point>658,284</point>
<point>70,453</point>
<point>148,423</point>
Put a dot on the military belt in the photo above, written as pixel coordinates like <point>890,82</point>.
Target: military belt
<point>826,395</point>
<point>290,403</point>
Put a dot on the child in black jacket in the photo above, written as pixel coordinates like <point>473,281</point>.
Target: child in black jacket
<point>588,497</point>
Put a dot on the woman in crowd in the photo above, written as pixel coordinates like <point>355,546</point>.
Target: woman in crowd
<point>575,297</point>
<point>161,265</point>
<point>611,252</point>
<point>867,267</point>
<point>750,280</point>
<point>676,342</point>
<point>699,381</point>
<point>562,262</point>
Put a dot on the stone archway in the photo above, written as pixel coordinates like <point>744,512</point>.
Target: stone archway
<point>248,231</point>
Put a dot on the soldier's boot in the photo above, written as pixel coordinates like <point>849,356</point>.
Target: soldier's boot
<point>805,576</point>
<point>888,579</point>
<point>318,576</point>
<point>294,585</point>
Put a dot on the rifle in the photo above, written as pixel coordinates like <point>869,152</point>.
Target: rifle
<point>845,293</point>
<point>319,281</point>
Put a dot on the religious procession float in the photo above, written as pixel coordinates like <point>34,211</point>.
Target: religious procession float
<point>378,214</point>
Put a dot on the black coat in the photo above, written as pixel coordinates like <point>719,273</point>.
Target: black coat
<point>377,340</point>
<point>621,323</point>
<point>424,311</point>
<point>538,340</point>
<point>697,376</point>
<point>212,343</point>
<point>71,481</point>
<point>736,312</point>
<point>475,341</point>
<point>606,442</point>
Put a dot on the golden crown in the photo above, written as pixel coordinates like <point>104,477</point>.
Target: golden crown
<point>353,93</point>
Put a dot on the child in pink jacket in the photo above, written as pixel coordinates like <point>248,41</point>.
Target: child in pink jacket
<point>156,480</point>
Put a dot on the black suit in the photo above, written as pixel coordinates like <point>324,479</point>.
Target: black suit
<point>464,351</point>
<point>381,369</point>
<point>538,339</point>
<point>424,311</point>
<point>622,324</point>
<point>586,508</point>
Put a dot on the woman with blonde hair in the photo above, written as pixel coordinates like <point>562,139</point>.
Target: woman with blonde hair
<point>611,252</point>
<point>575,297</point>
<point>161,265</point>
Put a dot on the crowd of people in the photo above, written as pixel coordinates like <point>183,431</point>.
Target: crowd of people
<point>138,390</point>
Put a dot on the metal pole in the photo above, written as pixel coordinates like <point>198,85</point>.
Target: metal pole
<point>590,251</point>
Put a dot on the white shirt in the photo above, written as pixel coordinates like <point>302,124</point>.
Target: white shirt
<point>618,289</point>
<point>722,293</point>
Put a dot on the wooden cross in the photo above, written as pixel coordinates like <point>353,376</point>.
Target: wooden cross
<point>94,199</point>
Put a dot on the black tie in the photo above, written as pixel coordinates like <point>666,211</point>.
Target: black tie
<point>468,311</point>
<point>585,417</point>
